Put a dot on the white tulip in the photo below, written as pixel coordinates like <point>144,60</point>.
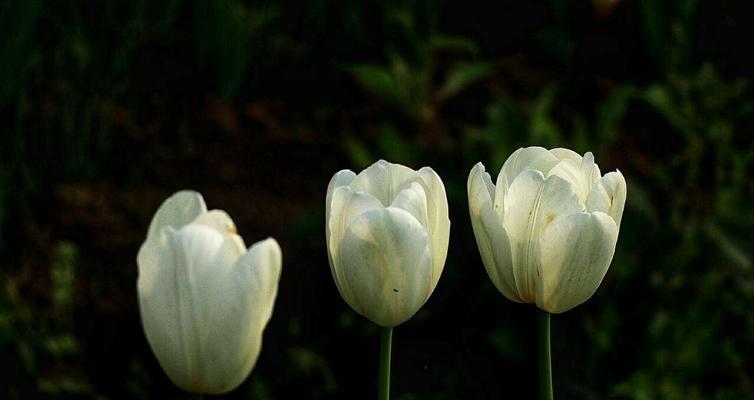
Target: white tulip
<point>387,232</point>
<point>547,229</point>
<point>204,298</point>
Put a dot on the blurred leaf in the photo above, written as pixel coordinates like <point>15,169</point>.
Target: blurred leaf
<point>728,246</point>
<point>464,75</point>
<point>444,43</point>
<point>393,146</point>
<point>543,131</point>
<point>379,81</point>
<point>360,156</point>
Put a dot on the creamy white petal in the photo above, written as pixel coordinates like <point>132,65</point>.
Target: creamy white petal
<point>341,178</point>
<point>535,158</point>
<point>237,323</point>
<point>387,264</point>
<point>414,201</point>
<point>493,243</point>
<point>609,196</point>
<point>581,175</point>
<point>439,224</point>
<point>191,263</point>
<point>575,254</point>
<point>533,203</point>
<point>384,180</point>
<point>563,153</point>
<point>220,221</point>
<point>346,205</point>
<point>178,210</point>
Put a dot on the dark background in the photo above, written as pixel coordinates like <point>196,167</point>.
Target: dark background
<point>106,108</point>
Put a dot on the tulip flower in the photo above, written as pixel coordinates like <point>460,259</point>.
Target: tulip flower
<point>204,298</point>
<point>387,232</point>
<point>546,230</point>
<point>387,237</point>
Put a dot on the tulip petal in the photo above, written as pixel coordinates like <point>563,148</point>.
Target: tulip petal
<point>493,243</point>
<point>387,264</point>
<point>533,203</point>
<point>535,158</point>
<point>439,224</point>
<point>563,153</point>
<point>187,266</point>
<point>581,175</point>
<point>237,323</point>
<point>575,254</point>
<point>609,196</point>
<point>346,205</point>
<point>220,221</point>
<point>178,210</point>
<point>383,180</point>
<point>414,201</point>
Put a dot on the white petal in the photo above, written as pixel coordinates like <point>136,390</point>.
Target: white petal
<point>176,211</point>
<point>220,221</point>
<point>533,203</point>
<point>609,196</point>
<point>439,224</point>
<point>238,320</point>
<point>384,180</point>
<point>575,254</point>
<point>182,270</point>
<point>341,178</point>
<point>387,264</point>
<point>414,201</point>
<point>562,154</point>
<point>582,176</point>
<point>493,243</point>
<point>346,205</point>
<point>534,158</point>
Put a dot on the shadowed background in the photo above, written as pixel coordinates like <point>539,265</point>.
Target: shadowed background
<point>109,107</point>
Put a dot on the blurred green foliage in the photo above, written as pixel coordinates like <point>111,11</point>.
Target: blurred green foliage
<point>108,107</point>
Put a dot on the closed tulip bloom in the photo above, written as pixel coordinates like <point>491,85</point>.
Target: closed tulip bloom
<point>387,232</point>
<point>204,298</point>
<point>547,229</point>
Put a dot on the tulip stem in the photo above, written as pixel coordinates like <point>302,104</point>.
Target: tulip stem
<point>386,342</point>
<point>545,367</point>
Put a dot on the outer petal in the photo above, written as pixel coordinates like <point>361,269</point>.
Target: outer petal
<point>346,205</point>
<point>439,224</point>
<point>533,203</point>
<point>387,264</point>
<point>178,210</point>
<point>609,196</point>
<point>563,153</point>
<point>575,254</point>
<point>493,243</point>
<point>241,314</point>
<point>536,158</point>
<point>383,180</point>
<point>180,273</point>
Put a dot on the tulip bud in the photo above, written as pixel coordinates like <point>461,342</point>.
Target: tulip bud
<point>204,298</point>
<point>547,229</point>
<point>387,232</point>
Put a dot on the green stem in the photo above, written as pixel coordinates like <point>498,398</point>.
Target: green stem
<point>543,343</point>
<point>386,342</point>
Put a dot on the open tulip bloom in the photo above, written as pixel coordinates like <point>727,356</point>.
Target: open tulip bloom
<point>547,229</point>
<point>387,232</point>
<point>204,298</point>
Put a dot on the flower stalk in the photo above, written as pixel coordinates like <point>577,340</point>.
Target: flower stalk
<point>543,344</point>
<point>386,342</point>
